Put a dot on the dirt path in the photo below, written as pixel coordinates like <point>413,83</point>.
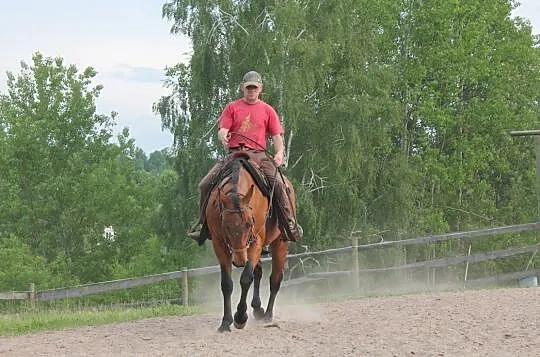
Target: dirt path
<point>473,323</point>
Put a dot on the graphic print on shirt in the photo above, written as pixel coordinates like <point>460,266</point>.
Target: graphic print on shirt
<point>247,124</point>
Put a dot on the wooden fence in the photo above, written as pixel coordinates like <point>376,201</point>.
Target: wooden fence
<point>355,272</point>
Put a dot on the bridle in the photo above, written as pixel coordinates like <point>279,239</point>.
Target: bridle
<point>239,211</point>
<point>278,169</point>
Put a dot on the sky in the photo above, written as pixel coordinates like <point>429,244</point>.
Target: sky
<point>126,41</point>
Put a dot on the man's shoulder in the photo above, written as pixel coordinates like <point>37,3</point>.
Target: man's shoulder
<point>268,107</point>
<point>262,102</point>
<point>234,103</point>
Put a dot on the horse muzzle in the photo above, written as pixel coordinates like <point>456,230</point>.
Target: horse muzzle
<point>239,257</point>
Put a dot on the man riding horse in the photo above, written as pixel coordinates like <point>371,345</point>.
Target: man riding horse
<point>243,126</point>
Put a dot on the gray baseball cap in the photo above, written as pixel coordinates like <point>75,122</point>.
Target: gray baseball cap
<point>252,78</point>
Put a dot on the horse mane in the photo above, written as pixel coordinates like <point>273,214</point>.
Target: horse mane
<point>231,170</point>
<point>234,166</point>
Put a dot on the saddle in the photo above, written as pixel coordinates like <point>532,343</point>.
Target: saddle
<point>251,163</point>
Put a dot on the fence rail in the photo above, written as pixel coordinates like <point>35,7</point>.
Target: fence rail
<point>15,295</point>
<point>184,274</point>
<point>457,235</point>
<point>502,278</point>
<point>473,258</point>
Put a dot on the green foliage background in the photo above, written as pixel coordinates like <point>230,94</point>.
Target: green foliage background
<point>397,116</point>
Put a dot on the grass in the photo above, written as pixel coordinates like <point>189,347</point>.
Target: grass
<point>34,321</point>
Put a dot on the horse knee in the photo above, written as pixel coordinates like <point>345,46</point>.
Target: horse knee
<point>247,275</point>
<point>226,283</point>
<point>257,272</point>
<point>275,283</point>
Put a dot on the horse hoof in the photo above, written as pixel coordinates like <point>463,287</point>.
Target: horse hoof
<point>240,320</point>
<point>258,313</point>
<point>239,326</point>
<point>224,328</point>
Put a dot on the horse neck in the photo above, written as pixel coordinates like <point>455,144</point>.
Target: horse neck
<point>239,181</point>
<point>243,181</point>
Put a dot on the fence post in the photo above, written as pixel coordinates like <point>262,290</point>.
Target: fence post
<point>32,294</point>
<point>355,267</point>
<point>433,270</point>
<point>185,297</point>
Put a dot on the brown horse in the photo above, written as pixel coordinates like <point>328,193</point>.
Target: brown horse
<point>239,225</point>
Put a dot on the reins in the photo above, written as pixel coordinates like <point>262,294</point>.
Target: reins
<point>238,210</point>
<point>270,155</point>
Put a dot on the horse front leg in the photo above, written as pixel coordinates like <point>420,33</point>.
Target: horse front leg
<point>258,311</point>
<point>240,317</point>
<point>279,257</point>
<point>226,290</point>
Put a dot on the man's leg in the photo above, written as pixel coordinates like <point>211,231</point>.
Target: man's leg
<point>282,203</point>
<point>199,232</point>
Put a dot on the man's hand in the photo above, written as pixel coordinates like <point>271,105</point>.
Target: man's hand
<point>278,158</point>
<point>223,136</point>
<point>280,149</point>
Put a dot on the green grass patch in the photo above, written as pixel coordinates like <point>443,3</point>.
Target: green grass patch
<point>33,321</point>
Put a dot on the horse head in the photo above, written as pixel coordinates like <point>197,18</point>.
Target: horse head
<point>237,221</point>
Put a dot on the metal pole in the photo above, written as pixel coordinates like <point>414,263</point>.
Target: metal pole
<point>524,132</point>
<point>467,267</point>
<point>536,134</point>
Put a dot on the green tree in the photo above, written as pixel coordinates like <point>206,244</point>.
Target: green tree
<point>51,135</point>
<point>20,267</point>
<point>324,70</point>
<point>470,74</point>
<point>396,112</point>
<point>158,161</point>
<point>64,183</point>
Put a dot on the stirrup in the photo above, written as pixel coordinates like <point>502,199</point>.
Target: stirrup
<point>300,231</point>
<point>195,230</point>
<point>196,234</point>
<point>294,231</point>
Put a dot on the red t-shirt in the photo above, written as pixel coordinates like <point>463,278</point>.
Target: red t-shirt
<point>250,123</point>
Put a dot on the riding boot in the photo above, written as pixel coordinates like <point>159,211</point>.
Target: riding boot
<point>195,232</point>
<point>199,232</point>
<point>287,222</point>
<point>294,231</point>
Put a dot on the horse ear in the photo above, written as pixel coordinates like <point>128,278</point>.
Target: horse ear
<point>248,195</point>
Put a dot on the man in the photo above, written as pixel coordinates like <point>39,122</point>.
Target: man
<point>244,125</point>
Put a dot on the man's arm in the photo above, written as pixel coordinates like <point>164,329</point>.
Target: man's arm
<point>223,136</point>
<point>280,149</point>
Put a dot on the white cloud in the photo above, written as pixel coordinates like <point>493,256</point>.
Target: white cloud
<point>126,41</point>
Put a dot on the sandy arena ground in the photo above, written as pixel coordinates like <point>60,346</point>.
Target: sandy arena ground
<point>502,322</point>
